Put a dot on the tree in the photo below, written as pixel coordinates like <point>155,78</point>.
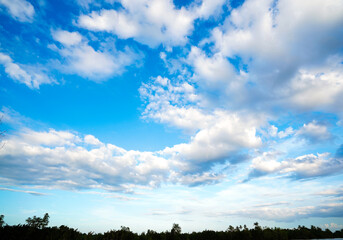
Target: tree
<point>125,229</point>
<point>176,229</point>
<point>230,229</point>
<point>2,222</point>
<point>38,222</point>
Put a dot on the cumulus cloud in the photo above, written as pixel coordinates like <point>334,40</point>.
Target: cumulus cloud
<point>90,139</point>
<point>284,45</point>
<point>61,159</point>
<point>274,132</point>
<point>31,76</point>
<point>216,74</point>
<point>219,135</point>
<point>84,60</point>
<point>265,31</point>
<point>20,10</point>
<point>150,22</point>
<point>67,38</point>
<point>50,138</point>
<point>302,167</point>
<point>221,139</point>
<point>208,8</point>
<point>316,87</point>
<point>314,132</point>
<point>67,160</point>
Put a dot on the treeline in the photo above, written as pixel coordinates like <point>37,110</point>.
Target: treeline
<point>35,231</point>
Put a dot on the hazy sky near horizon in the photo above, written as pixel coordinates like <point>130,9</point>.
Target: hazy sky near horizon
<point>145,113</point>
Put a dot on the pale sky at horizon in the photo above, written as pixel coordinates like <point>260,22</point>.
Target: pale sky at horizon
<point>145,113</point>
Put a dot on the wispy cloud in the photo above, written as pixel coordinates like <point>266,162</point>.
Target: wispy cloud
<point>31,76</point>
<point>23,191</point>
<point>287,214</point>
<point>20,10</point>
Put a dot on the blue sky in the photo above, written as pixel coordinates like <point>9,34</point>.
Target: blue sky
<point>143,113</point>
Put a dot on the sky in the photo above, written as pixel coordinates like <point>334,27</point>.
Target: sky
<point>145,113</point>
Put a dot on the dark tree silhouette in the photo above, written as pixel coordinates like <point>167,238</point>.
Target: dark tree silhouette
<point>37,222</point>
<point>37,229</point>
<point>2,221</point>
<point>176,229</point>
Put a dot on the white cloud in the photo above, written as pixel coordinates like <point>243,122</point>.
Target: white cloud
<point>288,131</point>
<point>60,159</point>
<point>208,8</point>
<point>150,22</point>
<point>333,226</point>
<point>85,3</point>
<point>279,200</point>
<point>274,33</point>
<point>90,139</point>
<point>85,61</point>
<point>197,178</point>
<point>306,166</point>
<point>214,72</point>
<point>288,214</point>
<point>67,38</point>
<point>50,138</point>
<point>222,138</point>
<point>218,135</point>
<point>20,10</point>
<point>273,131</point>
<point>110,20</point>
<point>315,132</point>
<point>284,45</point>
<point>23,191</point>
<point>173,103</point>
<point>317,88</point>
<point>266,163</point>
<point>68,160</point>
<point>31,76</point>
<point>333,192</point>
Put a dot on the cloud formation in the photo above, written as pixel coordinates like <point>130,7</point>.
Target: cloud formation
<point>83,60</point>
<point>31,76</point>
<point>65,160</point>
<point>219,135</point>
<point>288,214</point>
<point>314,132</point>
<point>283,47</point>
<point>242,98</point>
<point>20,10</point>
<point>150,22</point>
<point>23,191</point>
<point>69,160</point>
<point>302,167</point>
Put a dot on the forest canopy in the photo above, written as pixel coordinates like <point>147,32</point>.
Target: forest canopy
<point>37,228</point>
